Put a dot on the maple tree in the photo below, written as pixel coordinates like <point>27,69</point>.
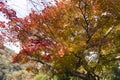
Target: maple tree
<point>74,38</point>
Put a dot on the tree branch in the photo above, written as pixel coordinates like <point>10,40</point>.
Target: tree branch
<point>78,74</point>
<point>115,59</point>
<point>74,73</point>
<point>44,63</point>
<point>108,31</point>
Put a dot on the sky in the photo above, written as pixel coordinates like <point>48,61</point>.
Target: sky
<point>22,8</point>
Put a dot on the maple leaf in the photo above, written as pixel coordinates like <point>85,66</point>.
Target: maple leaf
<point>1,4</point>
<point>2,24</point>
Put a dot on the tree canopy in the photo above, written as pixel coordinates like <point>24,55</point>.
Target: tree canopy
<point>73,38</point>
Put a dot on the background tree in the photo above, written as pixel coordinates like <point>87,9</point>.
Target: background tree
<point>73,38</point>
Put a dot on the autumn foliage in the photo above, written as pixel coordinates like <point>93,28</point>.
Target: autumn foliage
<point>36,35</point>
<point>73,37</point>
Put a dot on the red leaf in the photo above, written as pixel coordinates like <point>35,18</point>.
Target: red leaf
<point>11,13</point>
<point>1,37</point>
<point>2,24</point>
<point>1,4</point>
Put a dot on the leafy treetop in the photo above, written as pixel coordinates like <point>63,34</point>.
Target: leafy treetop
<point>77,38</point>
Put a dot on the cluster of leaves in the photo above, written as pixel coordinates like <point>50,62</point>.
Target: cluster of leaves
<point>65,37</point>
